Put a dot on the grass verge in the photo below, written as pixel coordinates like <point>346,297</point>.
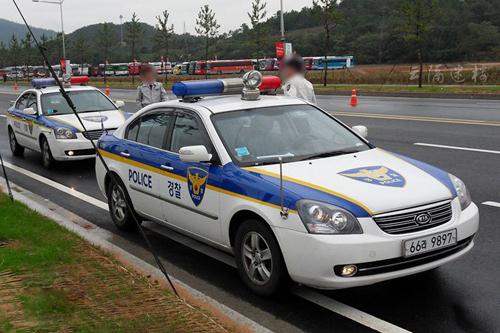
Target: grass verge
<point>411,89</point>
<point>53,281</point>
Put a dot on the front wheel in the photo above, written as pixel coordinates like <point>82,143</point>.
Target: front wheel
<point>16,148</point>
<point>259,260</point>
<point>47,158</point>
<point>120,207</point>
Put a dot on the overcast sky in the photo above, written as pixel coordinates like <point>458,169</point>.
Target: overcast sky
<point>229,13</point>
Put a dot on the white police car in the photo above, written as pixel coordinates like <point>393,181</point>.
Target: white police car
<point>41,120</point>
<point>343,212</point>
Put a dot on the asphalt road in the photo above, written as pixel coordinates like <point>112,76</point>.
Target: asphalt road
<point>462,296</point>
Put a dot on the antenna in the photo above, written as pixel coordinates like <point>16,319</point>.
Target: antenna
<point>98,153</point>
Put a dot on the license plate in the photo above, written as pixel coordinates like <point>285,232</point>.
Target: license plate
<point>433,242</point>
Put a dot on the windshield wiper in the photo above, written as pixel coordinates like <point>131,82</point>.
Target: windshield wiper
<point>329,154</point>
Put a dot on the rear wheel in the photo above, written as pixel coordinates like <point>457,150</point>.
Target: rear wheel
<point>259,260</point>
<point>47,158</point>
<point>16,148</point>
<point>120,207</point>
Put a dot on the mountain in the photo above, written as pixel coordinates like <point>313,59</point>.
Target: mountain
<point>9,28</point>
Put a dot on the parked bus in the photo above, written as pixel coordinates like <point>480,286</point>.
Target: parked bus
<point>334,62</point>
<point>162,68</point>
<point>230,66</point>
<point>308,63</point>
<point>270,64</point>
<point>119,69</point>
<point>134,68</point>
<point>222,67</point>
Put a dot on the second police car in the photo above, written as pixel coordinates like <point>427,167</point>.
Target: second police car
<point>291,191</point>
<point>41,120</point>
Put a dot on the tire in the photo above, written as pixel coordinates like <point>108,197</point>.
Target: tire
<point>48,160</point>
<point>16,148</point>
<point>119,204</point>
<point>262,271</point>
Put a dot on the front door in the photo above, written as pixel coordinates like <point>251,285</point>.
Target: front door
<point>194,204</point>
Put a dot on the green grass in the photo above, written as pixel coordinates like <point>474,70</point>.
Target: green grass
<point>426,89</point>
<point>53,281</point>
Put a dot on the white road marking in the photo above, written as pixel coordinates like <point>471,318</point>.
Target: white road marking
<point>57,186</point>
<point>492,203</point>
<point>457,148</point>
<point>328,303</point>
<point>348,311</point>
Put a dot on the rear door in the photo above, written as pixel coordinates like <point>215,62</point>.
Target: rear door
<point>194,200</point>
<point>144,160</point>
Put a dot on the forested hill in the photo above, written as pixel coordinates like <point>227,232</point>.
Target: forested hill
<point>373,31</point>
<point>9,28</point>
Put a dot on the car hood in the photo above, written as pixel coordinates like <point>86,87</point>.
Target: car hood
<point>375,180</point>
<point>92,120</point>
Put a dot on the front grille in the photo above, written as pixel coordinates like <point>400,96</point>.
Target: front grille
<point>396,264</point>
<point>95,135</point>
<point>402,223</point>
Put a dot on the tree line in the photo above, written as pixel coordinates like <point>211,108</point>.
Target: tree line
<point>374,31</point>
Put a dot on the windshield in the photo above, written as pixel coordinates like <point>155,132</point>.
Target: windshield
<point>297,132</point>
<point>85,101</point>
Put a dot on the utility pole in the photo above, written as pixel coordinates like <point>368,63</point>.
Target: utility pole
<point>121,30</point>
<point>282,22</point>
<point>60,3</point>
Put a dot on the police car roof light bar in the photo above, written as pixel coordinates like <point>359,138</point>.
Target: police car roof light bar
<point>43,83</point>
<point>99,156</point>
<point>193,90</point>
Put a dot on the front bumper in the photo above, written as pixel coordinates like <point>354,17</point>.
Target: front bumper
<point>311,259</point>
<point>81,147</point>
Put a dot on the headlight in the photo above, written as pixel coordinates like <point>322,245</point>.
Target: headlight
<point>462,192</point>
<point>322,218</point>
<point>64,133</point>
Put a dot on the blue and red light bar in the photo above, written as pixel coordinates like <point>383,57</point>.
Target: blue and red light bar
<point>51,82</point>
<point>199,88</point>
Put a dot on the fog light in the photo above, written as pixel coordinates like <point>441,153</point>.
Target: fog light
<point>70,153</point>
<point>349,270</point>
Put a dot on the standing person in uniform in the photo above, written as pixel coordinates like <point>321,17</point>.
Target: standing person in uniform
<point>150,91</point>
<point>296,84</point>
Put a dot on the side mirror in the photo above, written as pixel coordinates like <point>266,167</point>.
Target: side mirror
<point>361,130</point>
<point>30,112</point>
<point>120,104</point>
<point>195,154</point>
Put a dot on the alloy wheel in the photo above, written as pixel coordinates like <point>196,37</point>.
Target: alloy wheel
<point>257,258</point>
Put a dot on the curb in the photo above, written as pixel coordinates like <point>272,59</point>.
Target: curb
<point>97,237</point>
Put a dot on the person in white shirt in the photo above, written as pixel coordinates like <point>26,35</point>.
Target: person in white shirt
<point>296,84</point>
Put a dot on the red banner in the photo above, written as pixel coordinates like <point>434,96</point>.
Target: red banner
<point>280,50</point>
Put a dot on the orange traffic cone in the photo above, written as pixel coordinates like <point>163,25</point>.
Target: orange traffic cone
<point>16,87</point>
<point>107,91</point>
<point>354,98</point>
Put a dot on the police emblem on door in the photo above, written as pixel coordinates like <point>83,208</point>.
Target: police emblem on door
<point>197,183</point>
<point>377,175</point>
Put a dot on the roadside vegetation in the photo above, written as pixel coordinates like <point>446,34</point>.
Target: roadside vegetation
<point>53,281</point>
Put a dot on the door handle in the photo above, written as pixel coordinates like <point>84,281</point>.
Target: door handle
<point>124,153</point>
<point>167,167</point>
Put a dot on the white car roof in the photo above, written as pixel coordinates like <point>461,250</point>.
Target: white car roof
<point>218,104</point>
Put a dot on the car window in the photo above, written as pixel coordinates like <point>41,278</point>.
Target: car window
<point>151,129</point>
<point>23,102</point>
<point>32,102</point>
<point>187,132</point>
